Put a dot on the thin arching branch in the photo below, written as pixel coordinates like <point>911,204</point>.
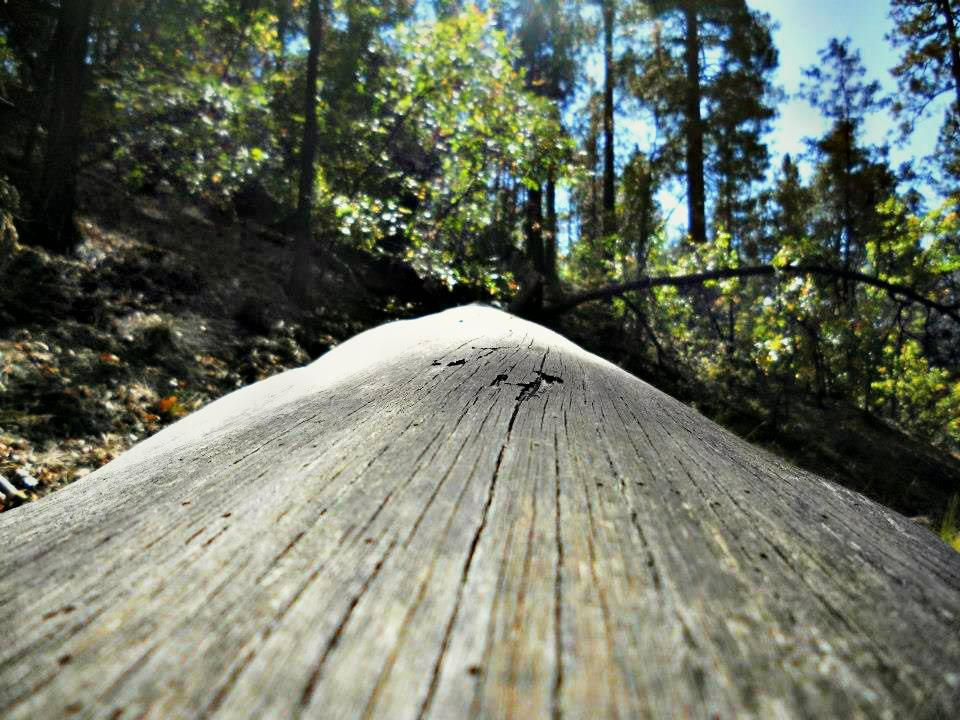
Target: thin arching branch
<point>610,291</point>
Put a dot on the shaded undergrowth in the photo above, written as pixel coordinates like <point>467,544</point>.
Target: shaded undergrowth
<point>830,438</point>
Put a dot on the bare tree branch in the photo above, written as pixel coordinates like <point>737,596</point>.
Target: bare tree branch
<point>610,291</point>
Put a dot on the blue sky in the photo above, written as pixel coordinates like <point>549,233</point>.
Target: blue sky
<point>804,28</point>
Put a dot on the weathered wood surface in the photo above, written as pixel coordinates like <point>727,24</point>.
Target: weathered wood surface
<point>467,516</point>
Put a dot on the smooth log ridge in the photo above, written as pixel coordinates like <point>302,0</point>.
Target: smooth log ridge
<point>463,516</point>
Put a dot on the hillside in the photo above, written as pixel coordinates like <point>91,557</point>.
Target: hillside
<point>164,307</point>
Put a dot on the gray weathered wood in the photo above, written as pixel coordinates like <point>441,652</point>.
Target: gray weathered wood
<point>467,516</point>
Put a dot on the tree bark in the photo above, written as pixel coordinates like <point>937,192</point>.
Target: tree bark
<point>530,298</point>
<point>303,262</point>
<point>609,219</point>
<point>644,210</point>
<point>591,224</point>
<point>949,21</point>
<point>283,27</point>
<point>55,202</point>
<point>468,516</point>
<point>550,234</point>
<point>533,228</point>
<point>696,192</point>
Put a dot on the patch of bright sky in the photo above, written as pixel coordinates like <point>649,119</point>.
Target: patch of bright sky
<point>806,27</point>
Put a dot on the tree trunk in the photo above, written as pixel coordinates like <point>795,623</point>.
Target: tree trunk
<point>847,191</point>
<point>529,301</point>
<point>696,193</point>
<point>303,261</point>
<point>533,228</point>
<point>550,234</point>
<point>38,103</point>
<point>609,220</point>
<point>590,223</point>
<point>468,516</point>
<point>950,22</point>
<point>55,202</point>
<point>283,28</point>
<point>644,209</point>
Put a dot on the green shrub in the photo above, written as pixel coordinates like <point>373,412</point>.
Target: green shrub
<point>949,528</point>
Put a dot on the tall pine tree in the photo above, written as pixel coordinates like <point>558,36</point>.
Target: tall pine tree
<point>717,112</point>
<point>927,32</point>
<point>851,178</point>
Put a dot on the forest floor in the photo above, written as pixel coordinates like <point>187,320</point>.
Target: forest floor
<point>165,307</point>
<point>168,305</point>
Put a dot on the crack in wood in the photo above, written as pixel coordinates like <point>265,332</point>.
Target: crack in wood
<point>308,690</point>
<point>436,489</point>
<point>385,671</point>
<point>435,675</point>
<point>277,558</point>
<point>556,690</point>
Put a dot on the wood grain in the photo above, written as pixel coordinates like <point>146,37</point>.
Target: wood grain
<point>463,516</point>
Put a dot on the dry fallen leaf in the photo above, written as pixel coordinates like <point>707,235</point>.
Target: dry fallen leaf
<point>166,404</point>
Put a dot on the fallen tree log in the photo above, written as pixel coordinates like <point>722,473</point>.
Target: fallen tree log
<point>467,515</point>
